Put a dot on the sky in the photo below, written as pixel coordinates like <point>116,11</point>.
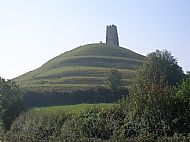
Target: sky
<point>34,31</point>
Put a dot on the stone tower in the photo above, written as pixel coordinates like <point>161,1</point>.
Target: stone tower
<point>111,35</point>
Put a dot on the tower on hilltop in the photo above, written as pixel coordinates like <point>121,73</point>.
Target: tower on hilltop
<point>112,35</point>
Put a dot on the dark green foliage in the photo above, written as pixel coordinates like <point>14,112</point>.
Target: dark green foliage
<point>10,102</point>
<point>101,95</point>
<point>94,124</point>
<point>1,131</point>
<point>156,111</point>
<point>160,67</point>
<point>184,91</point>
<point>123,122</point>
<point>160,114</point>
<point>114,80</point>
<point>37,127</point>
<point>187,75</point>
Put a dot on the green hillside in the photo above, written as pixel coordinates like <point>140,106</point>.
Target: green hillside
<point>82,68</point>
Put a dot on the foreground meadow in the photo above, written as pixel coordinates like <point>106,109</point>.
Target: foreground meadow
<point>70,109</point>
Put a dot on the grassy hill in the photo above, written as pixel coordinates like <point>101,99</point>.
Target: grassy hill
<point>82,68</point>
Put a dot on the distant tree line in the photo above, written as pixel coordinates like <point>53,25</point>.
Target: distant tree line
<point>101,95</point>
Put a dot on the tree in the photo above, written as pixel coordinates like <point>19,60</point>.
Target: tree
<point>11,103</point>
<point>114,80</point>
<point>184,91</point>
<point>155,106</point>
<point>187,75</point>
<point>159,67</point>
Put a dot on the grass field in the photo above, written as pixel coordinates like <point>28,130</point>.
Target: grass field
<point>74,109</point>
<point>82,68</point>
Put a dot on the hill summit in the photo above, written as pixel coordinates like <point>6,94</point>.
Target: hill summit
<point>83,67</point>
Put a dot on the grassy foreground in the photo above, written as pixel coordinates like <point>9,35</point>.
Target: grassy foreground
<point>74,109</point>
<point>62,123</point>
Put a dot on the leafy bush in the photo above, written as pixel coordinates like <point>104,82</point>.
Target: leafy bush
<point>184,91</point>
<point>94,124</point>
<point>11,104</point>
<point>37,127</point>
<point>1,131</point>
<point>155,111</point>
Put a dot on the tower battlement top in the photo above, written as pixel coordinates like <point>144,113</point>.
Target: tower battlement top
<point>112,35</point>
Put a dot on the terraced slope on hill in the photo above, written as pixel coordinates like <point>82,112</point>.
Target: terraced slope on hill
<point>82,68</point>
